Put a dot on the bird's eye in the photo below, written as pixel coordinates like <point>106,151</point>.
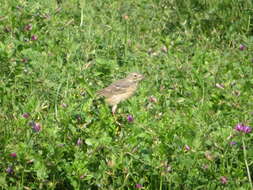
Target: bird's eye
<point>135,75</point>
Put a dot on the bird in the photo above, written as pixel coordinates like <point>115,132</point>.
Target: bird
<point>121,90</point>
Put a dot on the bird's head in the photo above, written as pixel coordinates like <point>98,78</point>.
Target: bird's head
<point>135,77</point>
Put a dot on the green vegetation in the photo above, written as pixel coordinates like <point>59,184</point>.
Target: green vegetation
<point>196,56</point>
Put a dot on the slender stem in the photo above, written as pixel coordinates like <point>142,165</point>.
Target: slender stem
<point>81,23</point>
<point>246,163</point>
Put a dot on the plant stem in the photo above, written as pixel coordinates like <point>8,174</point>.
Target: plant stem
<point>81,22</point>
<point>246,163</point>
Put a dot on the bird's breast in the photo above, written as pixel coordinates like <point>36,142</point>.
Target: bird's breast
<point>117,98</point>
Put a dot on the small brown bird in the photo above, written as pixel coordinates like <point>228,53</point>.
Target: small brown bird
<point>120,90</point>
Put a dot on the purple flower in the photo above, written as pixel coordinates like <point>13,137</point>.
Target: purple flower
<point>242,47</point>
<point>138,186</point>
<point>239,127</point>
<point>34,37</point>
<point>152,99</point>
<point>223,180</point>
<point>36,127</point>
<point>247,129</point>
<point>130,118</point>
<point>187,148</point>
<point>82,176</point>
<point>13,155</point>
<point>9,170</point>
<point>25,115</point>
<point>232,143</point>
<point>79,142</point>
<point>64,105</point>
<point>242,128</point>
<point>28,27</point>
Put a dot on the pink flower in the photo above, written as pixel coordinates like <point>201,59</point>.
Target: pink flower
<point>138,186</point>
<point>82,176</point>
<point>223,180</point>
<point>130,118</point>
<point>79,142</point>
<point>187,148</point>
<point>35,126</point>
<point>232,143</point>
<point>242,47</point>
<point>64,105</point>
<point>152,99</point>
<point>34,38</point>
<point>243,128</point>
<point>247,129</point>
<point>28,27</point>
<point>25,115</point>
<point>13,155</point>
<point>9,170</point>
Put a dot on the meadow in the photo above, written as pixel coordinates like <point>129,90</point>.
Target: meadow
<point>191,116</point>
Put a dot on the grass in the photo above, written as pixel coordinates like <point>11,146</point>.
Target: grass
<point>197,60</point>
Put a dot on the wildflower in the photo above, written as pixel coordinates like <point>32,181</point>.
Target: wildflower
<point>187,148</point>
<point>25,115</point>
<point>64,105</point>
<point>247,129</point>
<point>242,47</point>
<point>34,38</point>
<point>223,180</point>
<point>242,128</point>
<point>130,118</point>
<point>239,127</point>
<point>152,99</point>
<point>9,170</point>
<point>13,155</point>
<point>36,127</point>
<point>28,27</point>
<point>232,143</point>
<point>82,176</point>
<point>138,186</point>
<point>79,142</point>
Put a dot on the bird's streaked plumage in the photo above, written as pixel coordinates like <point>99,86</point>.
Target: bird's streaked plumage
<point>120,90</point>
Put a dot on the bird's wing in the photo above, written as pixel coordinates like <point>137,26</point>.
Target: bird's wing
<point>115,88</point>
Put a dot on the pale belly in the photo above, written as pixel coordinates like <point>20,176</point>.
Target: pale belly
<point>115,99</point>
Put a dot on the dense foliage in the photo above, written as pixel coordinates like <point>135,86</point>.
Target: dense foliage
<point>191,117</point>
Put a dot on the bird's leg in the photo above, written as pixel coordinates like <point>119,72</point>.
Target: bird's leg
<point>114,107</point>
